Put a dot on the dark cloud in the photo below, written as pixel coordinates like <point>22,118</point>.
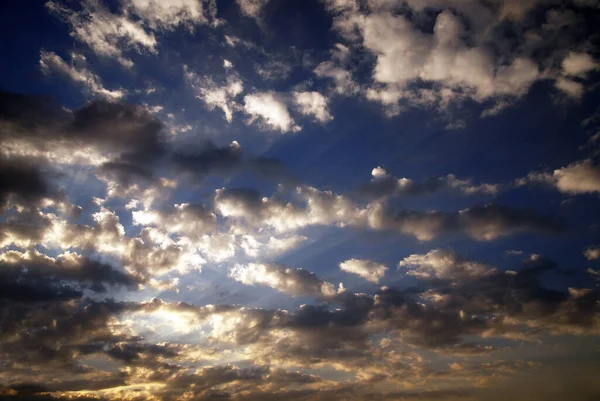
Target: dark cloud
<point>32,276</point>
<point>22,181</point>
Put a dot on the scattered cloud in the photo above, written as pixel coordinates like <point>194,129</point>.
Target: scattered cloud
<point>51,63</point>
<point>271,112</point>
<point>369,270</point>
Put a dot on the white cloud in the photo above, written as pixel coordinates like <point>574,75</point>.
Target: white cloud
<point>457,61</point>
<point>344,83</point>
<point>313,104</point>
<point>169,14</point>
<point>215,95</point>
<point>444,265</point>
<point>383,184</point>
<point>571,88</point>
<point>50,62</point>
<point>592,253</point>
<point>187,219</point>
<point>578,64</point>
<point>296,282</point>
<point>106,33</point>
<point>577,178</point>
<point>369,270</point>
<point>271,110</point>
<point>252,8</point>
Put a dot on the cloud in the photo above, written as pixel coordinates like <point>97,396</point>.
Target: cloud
<point>32,276</point>
<point>160,15</point>
<point>271,111</point>
<point>344,83</point>
<point>274,70</point>
<point>296,282</point>
<point>452,62</point>
<point>592,253</point>
<point>104,32</point>
<point>217,96</point>
<point>369,270</point>
<point>184,219</point>
<point>314,207</point>
<point>445,265</point>
<point>383,184</point>
<point>110,33</point>
<point>252,8</point>
<point>578,64</point>
<point>577,178</point>
<point>571,88</point>
<point>50,62</point>
<point>312,104</point>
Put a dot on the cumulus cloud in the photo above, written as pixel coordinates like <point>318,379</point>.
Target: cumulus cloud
<point>312,104</point>
<point>252,8</point>
<point>215,95</point>
<point>383,184</point>
<point>445,265</point>
<point>367,269</point>
<point>592,253</point>
<point>344,83</point>
<point>314,207</point>
<point>577,178</point>
<point>282,278</point>
<point>578,64</point>
<point>111,34</point>
<point>271,112</point>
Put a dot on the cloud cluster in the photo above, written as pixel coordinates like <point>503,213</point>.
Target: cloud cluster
<point>433,54</point>
<point>133,26</point>
<point>315,207</point>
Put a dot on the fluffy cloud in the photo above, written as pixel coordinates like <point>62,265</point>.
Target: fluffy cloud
<point>217,96</point>
<point>252,8</point>
<point>445,265</point>
<point>369,270</point>
<point>105,33</point>
<point>592,253</point>
<point>316,207</point>
<point>578,64</point>
<point>312,104</point>
<point>282,278</point>
<point>577,178</point>
<point>383,184</point>
<point>270,111</point>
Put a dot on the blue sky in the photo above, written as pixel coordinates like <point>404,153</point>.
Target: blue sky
<point>301,200</point>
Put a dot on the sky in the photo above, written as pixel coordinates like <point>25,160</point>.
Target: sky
<point>300,200</point>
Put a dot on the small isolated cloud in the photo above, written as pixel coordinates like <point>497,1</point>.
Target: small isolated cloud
<point>51,63</point>
<point>592,253</point>
<point>369,270</point>
<point>383,184</point>
<point>215,95</point>
<point>252,8</point>
<point>569,87</point>
<point>344,84</point>
<point>271,111</point>
<point>579,64</point>
<point>577,178</point>
<point>444,265</point>
<point>312,104</point>
<point>296,282</point>
<point>274,70</point>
